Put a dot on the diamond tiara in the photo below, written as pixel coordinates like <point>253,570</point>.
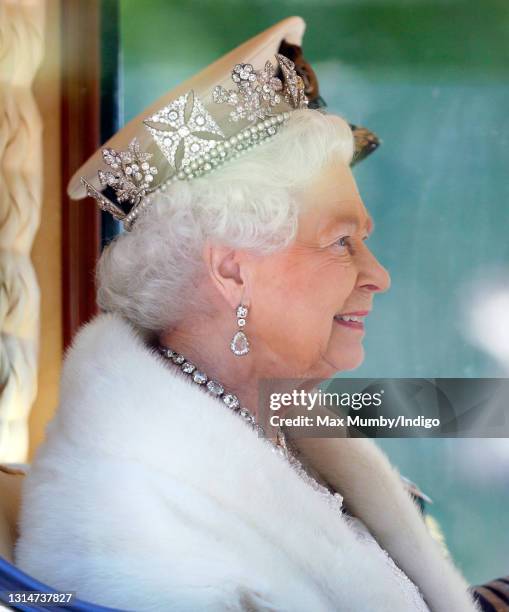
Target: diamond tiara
<point>192,142</point>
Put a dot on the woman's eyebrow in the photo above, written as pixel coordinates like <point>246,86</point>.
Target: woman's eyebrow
<point>350,220</point>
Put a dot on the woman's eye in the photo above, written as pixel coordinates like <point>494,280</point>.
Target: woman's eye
<point>343,241</point>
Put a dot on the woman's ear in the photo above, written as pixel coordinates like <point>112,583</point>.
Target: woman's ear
<point>227,271</point>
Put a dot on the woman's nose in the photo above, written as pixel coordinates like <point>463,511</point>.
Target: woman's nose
<point>373,275</point>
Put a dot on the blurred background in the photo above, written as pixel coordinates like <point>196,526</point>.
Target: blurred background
<point>430,78</point>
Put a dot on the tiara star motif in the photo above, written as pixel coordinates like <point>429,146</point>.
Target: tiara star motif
<point>184,130</point>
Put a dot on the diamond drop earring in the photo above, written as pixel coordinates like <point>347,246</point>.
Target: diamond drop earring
<point>240,344</point>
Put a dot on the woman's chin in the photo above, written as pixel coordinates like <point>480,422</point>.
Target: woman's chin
<point>348,358</point>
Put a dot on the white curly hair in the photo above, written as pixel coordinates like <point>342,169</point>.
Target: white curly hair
<point>152,275</point>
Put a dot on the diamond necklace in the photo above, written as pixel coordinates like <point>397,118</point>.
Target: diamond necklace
<point>216,389</point>
<point>280,445</point>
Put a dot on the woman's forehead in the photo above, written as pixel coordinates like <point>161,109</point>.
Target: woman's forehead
<point>336,182</point>
<point>333,201</point>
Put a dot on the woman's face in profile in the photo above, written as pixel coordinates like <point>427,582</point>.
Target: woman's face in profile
<point>327,271</point>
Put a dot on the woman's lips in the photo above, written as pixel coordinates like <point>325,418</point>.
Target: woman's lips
<point>350,324</point>
<point>357,323</point>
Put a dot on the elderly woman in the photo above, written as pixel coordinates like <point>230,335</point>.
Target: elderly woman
<point>153,490</point>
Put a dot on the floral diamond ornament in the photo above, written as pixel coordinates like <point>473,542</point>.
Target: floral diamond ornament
<point>294,85</point>
<point>258,91</point>
<point>130,173</point>
<point>184,130</point>
<point>130,176</point>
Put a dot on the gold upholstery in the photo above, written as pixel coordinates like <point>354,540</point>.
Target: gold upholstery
<point>10,493</point>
